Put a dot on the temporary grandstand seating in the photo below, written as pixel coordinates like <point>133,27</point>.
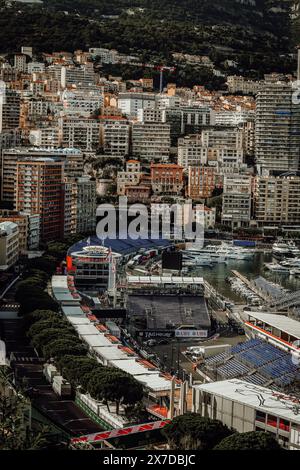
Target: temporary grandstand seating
<point>260,354</point>
<point>233,368</point>
<point>218,359</point>
<point>255,378</point>
<point>244,346</point>
<point>255,361</point>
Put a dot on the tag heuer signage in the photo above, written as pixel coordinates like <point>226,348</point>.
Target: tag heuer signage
<point>157,334</point>
<point>190,333</point>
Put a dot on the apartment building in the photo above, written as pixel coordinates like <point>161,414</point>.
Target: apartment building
<point>45,137</point>
<point>201,181</point>
<point>10,110</point>
<point>40,190</point>
<point>21,220</point>
<point>35,67</point>
<point>130,177</point>
<point>20,62</point>
<point>209,217</point>
<point>150,115</point>
<point>277,126</point>
<point>84,192</point>
<point>224,147</point>
<point>115,137</point>
<point>138,194</point>
<point>216,146</point>
<point>240,84</point>
<point>9,245</point>
<point>82,103</point>
<point>233,118</point>
<point>191,151</point>
<point>81,133</point>
<point>237,200</point>
<point>151,141</point>
<point>276,200</point>
<point>81,76</point>
<point>72,158</point>
<point>194,118</point>
<point>130,103</point>
<point>166,178</point>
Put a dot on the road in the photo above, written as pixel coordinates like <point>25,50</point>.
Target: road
<point>29,367</point>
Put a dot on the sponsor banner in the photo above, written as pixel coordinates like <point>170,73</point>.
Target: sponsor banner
<point>190,333</point>
<point>157,334</point>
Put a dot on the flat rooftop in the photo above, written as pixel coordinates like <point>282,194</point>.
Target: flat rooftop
<point>281,322</point>
<point>255,396</point>
<point>160,280</point>
<point>169,311</point>
<point>124,247</point>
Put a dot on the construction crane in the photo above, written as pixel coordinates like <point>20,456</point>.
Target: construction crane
<point>161,69</point>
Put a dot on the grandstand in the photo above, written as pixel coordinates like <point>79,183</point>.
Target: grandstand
<point>169,311</point>
<point>255,361</point>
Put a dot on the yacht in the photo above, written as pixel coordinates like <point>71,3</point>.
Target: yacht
<point>277,268</point>
<point>222,252</point>
<point>288,249</point>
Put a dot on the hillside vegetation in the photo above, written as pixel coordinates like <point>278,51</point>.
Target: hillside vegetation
<point>254,31</point>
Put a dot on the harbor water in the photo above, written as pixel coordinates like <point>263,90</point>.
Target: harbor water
<point>250,268</point>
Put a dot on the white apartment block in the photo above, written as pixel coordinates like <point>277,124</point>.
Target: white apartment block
<point>131,103</point>
<point>151,141</point>
<point>221,147</point>
<point>82,76</point>
<point>35,67</point>
<point>106,56</point>
<point>130,177</point>
<point>83,104</point>
<point>150,115</point>
<point>240,84</point>
<point>237,200</point>
<point>41,108</point>
<point>46,137</point>
<point>233,118</point>
<point>9,245</point>
<point>191,151</point>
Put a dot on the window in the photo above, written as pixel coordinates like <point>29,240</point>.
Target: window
<point>272,421</point>
<point>260,416</point>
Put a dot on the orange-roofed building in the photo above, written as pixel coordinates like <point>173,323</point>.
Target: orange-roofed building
<point>166,178</point>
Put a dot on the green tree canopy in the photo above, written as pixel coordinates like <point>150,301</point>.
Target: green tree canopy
<point>44,325</point>
<point>62,347</point>
<point>254,440</point>
<point>203,433</point>
<point>74,368</point>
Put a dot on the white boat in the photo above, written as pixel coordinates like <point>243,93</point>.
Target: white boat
<point>295,272</point>
<point>288,249</point>
<point>222,252</point>
<point>277,268</point>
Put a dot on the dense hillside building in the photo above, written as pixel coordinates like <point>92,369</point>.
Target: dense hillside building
<point>277,128</point>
